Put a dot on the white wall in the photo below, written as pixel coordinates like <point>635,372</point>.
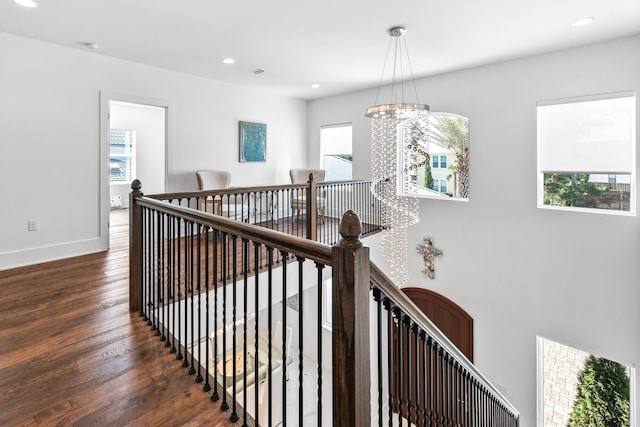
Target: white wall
<point>49,140</point>
<point>519,270</point>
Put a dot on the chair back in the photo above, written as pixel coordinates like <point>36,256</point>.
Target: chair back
<point>213,180</point>
<point>301,176</point>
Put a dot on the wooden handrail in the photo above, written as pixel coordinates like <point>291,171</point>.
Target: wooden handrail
<point>353,277</point>
<point>305,248</point>
<point>382,282</point>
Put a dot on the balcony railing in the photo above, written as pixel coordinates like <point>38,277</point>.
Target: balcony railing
<point>244,307</point>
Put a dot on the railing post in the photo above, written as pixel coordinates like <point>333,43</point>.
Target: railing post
<point>350,325</point>
<point>135,248</point>
<point>312,209</point>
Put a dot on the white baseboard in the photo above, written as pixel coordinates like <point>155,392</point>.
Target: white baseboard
<point>31,256</point>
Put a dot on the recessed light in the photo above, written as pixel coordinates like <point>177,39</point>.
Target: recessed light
<point>26,3</point>
<point>583,21</point>
<point>257,71</point>
<point>315,85</point>
<point>228,61</point>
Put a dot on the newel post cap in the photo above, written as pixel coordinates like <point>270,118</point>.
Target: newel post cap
<point>350,229</point>
<point>136,185</point>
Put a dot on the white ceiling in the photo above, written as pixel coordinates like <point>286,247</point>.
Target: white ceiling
<point>339,44</point>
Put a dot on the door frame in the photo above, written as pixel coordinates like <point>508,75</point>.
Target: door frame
<point>103,169</point>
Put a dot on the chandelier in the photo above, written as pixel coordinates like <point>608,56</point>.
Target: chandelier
<point>389,135</point>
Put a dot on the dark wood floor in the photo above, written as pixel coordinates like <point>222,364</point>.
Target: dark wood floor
<point>71,354</point>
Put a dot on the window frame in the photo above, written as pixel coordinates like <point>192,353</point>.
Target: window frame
<point>426,142</point>
<point>540,191</point>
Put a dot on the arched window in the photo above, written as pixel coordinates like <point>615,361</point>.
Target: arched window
<point>435,156</point>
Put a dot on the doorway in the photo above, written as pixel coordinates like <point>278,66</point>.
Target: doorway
<point>134,138</point>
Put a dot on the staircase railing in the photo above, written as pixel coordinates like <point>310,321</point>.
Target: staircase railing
<point>424,378</point>
<point>245,309</point>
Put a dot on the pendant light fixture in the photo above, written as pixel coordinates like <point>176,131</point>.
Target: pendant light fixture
<point>389,134</point>
<point>397,107</point>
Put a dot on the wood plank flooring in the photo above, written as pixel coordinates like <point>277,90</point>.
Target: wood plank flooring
<point>71,354</point>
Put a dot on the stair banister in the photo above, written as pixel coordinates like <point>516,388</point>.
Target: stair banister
<point>386,286</point>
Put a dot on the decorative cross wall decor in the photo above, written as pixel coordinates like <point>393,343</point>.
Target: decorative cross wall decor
<point>429,252</point>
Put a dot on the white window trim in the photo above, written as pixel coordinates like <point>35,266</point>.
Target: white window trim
<point>540,175</point>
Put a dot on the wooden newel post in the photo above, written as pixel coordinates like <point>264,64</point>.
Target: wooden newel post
<point>312,209</point>
<point>135,248</point>
<point>350,325</point>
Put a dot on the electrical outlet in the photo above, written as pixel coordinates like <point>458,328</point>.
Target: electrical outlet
<point>32,225</point>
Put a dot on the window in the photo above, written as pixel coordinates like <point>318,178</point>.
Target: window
<point>122,148</point>
<point>439,162</point>
<point>575,386</point>
<point>440,185</point>
<point>435,156</point>
<point>337,157</point>
<point>586,152</point>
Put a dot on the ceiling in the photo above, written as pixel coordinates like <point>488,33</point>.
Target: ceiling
<point>338,44</point>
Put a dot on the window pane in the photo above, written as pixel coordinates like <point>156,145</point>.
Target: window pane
<point>121,155</point>
<point>337,158</point>
<point>586,152</point>
<point>581,389</point>
<point>583,190</point>
<point>443,162</point>
<point>435,156</point>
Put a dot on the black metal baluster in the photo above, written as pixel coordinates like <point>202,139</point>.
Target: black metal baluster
<point>447,388</point>
<point>169,283</point>
<point>162,275</point>
<point>430,378</point>
<point>443,400</point>
<point>187,278</point>
<point>284,255</point>
<point>150,268</point>
<point>399,357</point>
<point>437,390</point>
<point>390,347</point>
<point>403,367</point>
<point>300,341</point>
<point>319,268</point>
<point>175,278</point>
<point>234,254</point>
<point>424,376</point>
<point>245,281</point>
<point>216,263</point>
<point>206,387</point>
<point>178,329</point>
<point>157,274</point>
<point>456,397</point>
<point>199,378</point>
<point>256,381</point>
<point>225,261</point>
<point>378,299</point>
<point>270,333</point>
<point>146,269</point>
<point>192,325</point>
<point>416,374</point>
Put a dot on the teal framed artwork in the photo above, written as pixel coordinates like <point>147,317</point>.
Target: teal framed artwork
<point>253,142</point>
